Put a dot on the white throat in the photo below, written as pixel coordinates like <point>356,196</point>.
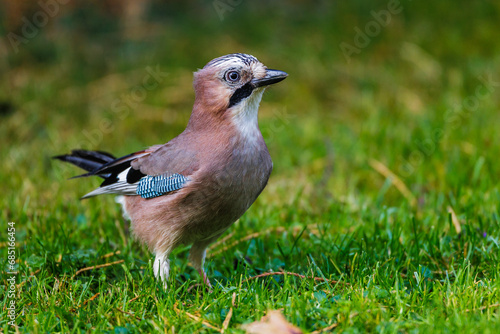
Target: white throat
<point>245,115</point>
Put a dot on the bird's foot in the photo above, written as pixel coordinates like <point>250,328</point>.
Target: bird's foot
<point>205,278</point>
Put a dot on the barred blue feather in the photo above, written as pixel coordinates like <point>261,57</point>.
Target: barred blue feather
<point>154,186</point>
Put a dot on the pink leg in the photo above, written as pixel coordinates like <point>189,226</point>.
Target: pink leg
<point>197,258</point>
<point>205,278</point>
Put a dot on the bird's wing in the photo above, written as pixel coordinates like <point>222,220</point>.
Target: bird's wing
<point>153,172</point>
<point>167,159</point>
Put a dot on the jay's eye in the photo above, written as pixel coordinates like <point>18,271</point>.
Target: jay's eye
<point>232,76</point>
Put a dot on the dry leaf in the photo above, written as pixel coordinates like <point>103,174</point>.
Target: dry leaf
<point>273,323</point>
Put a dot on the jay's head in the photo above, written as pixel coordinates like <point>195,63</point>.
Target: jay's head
<point>233,84</point>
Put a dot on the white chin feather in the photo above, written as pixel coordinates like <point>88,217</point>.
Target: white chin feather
<point>245,114</point>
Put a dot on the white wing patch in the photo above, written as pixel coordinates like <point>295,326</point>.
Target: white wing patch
<point>120,187</point>
<point>147,187</point>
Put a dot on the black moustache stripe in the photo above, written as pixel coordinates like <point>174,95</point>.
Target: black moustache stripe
<point>240,94</point>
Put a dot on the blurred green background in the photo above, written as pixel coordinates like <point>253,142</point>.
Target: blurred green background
<point>389,120</point>
<point>363,84</point>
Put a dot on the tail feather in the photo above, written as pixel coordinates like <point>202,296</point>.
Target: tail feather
<point>119,177</point>
<point>87,160</point>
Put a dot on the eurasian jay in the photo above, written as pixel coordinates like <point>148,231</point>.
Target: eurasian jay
<point>191,189</point>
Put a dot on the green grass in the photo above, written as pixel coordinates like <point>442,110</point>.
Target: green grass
<point>396,257</point>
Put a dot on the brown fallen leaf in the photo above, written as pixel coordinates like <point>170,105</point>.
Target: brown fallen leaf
<point>273,323</point>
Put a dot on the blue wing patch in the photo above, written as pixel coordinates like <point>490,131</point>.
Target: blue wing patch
<point>154,186</point>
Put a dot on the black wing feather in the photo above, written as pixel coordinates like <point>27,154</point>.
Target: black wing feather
<point>87,160</point>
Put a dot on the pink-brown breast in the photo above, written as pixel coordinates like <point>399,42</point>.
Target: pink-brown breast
<point>231,172</point>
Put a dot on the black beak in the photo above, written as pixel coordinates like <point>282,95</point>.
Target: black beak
<point>272,77</point>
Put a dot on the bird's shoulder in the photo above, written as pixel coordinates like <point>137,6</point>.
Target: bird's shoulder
<point>176,156</point>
